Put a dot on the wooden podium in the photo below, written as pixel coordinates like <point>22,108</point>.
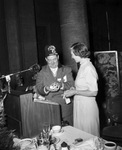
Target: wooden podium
<point>28,117</point>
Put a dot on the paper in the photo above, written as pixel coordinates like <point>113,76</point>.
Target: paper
<point>45,101</point>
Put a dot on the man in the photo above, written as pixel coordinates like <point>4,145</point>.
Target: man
<point>53,80</point>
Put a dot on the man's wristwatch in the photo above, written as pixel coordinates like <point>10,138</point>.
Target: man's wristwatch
<point>46,91</point>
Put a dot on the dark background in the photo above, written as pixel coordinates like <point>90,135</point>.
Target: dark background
<point>104,21</point>
<point>26,26</point>
<point>104,18</point>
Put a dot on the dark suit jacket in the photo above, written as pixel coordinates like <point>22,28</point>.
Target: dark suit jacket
<point>45,78</point>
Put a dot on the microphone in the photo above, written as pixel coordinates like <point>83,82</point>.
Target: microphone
<point>35,68</point>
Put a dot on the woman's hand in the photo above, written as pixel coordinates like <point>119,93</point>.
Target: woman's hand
<point>69,93</point>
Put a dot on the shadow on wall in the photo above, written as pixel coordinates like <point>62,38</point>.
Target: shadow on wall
<point>101,101</point>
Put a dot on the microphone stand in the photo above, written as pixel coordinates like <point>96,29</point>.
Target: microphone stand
<point>8,77</point>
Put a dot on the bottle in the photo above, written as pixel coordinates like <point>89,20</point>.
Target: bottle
<point>64,146</point>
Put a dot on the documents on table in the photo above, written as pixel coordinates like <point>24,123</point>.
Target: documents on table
<point>45,101</point>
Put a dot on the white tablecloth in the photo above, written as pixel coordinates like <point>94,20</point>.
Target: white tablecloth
<point>69,134</point>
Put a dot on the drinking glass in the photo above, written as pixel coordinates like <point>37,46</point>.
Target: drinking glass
<point>46,134</point>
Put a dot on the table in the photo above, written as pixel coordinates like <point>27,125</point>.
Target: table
<point>69,134</point>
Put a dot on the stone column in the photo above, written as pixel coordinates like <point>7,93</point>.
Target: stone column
<point>74,27</point>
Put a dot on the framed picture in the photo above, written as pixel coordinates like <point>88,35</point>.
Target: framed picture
<point>106,63</point>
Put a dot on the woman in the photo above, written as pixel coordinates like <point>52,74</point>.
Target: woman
<point>86,113</point>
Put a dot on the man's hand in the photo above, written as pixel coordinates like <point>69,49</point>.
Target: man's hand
<point>55,86</point>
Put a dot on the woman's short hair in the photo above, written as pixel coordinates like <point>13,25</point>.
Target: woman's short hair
<point>80,49</point>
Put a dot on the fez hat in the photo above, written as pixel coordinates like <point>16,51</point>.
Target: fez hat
<point>50,50</point>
